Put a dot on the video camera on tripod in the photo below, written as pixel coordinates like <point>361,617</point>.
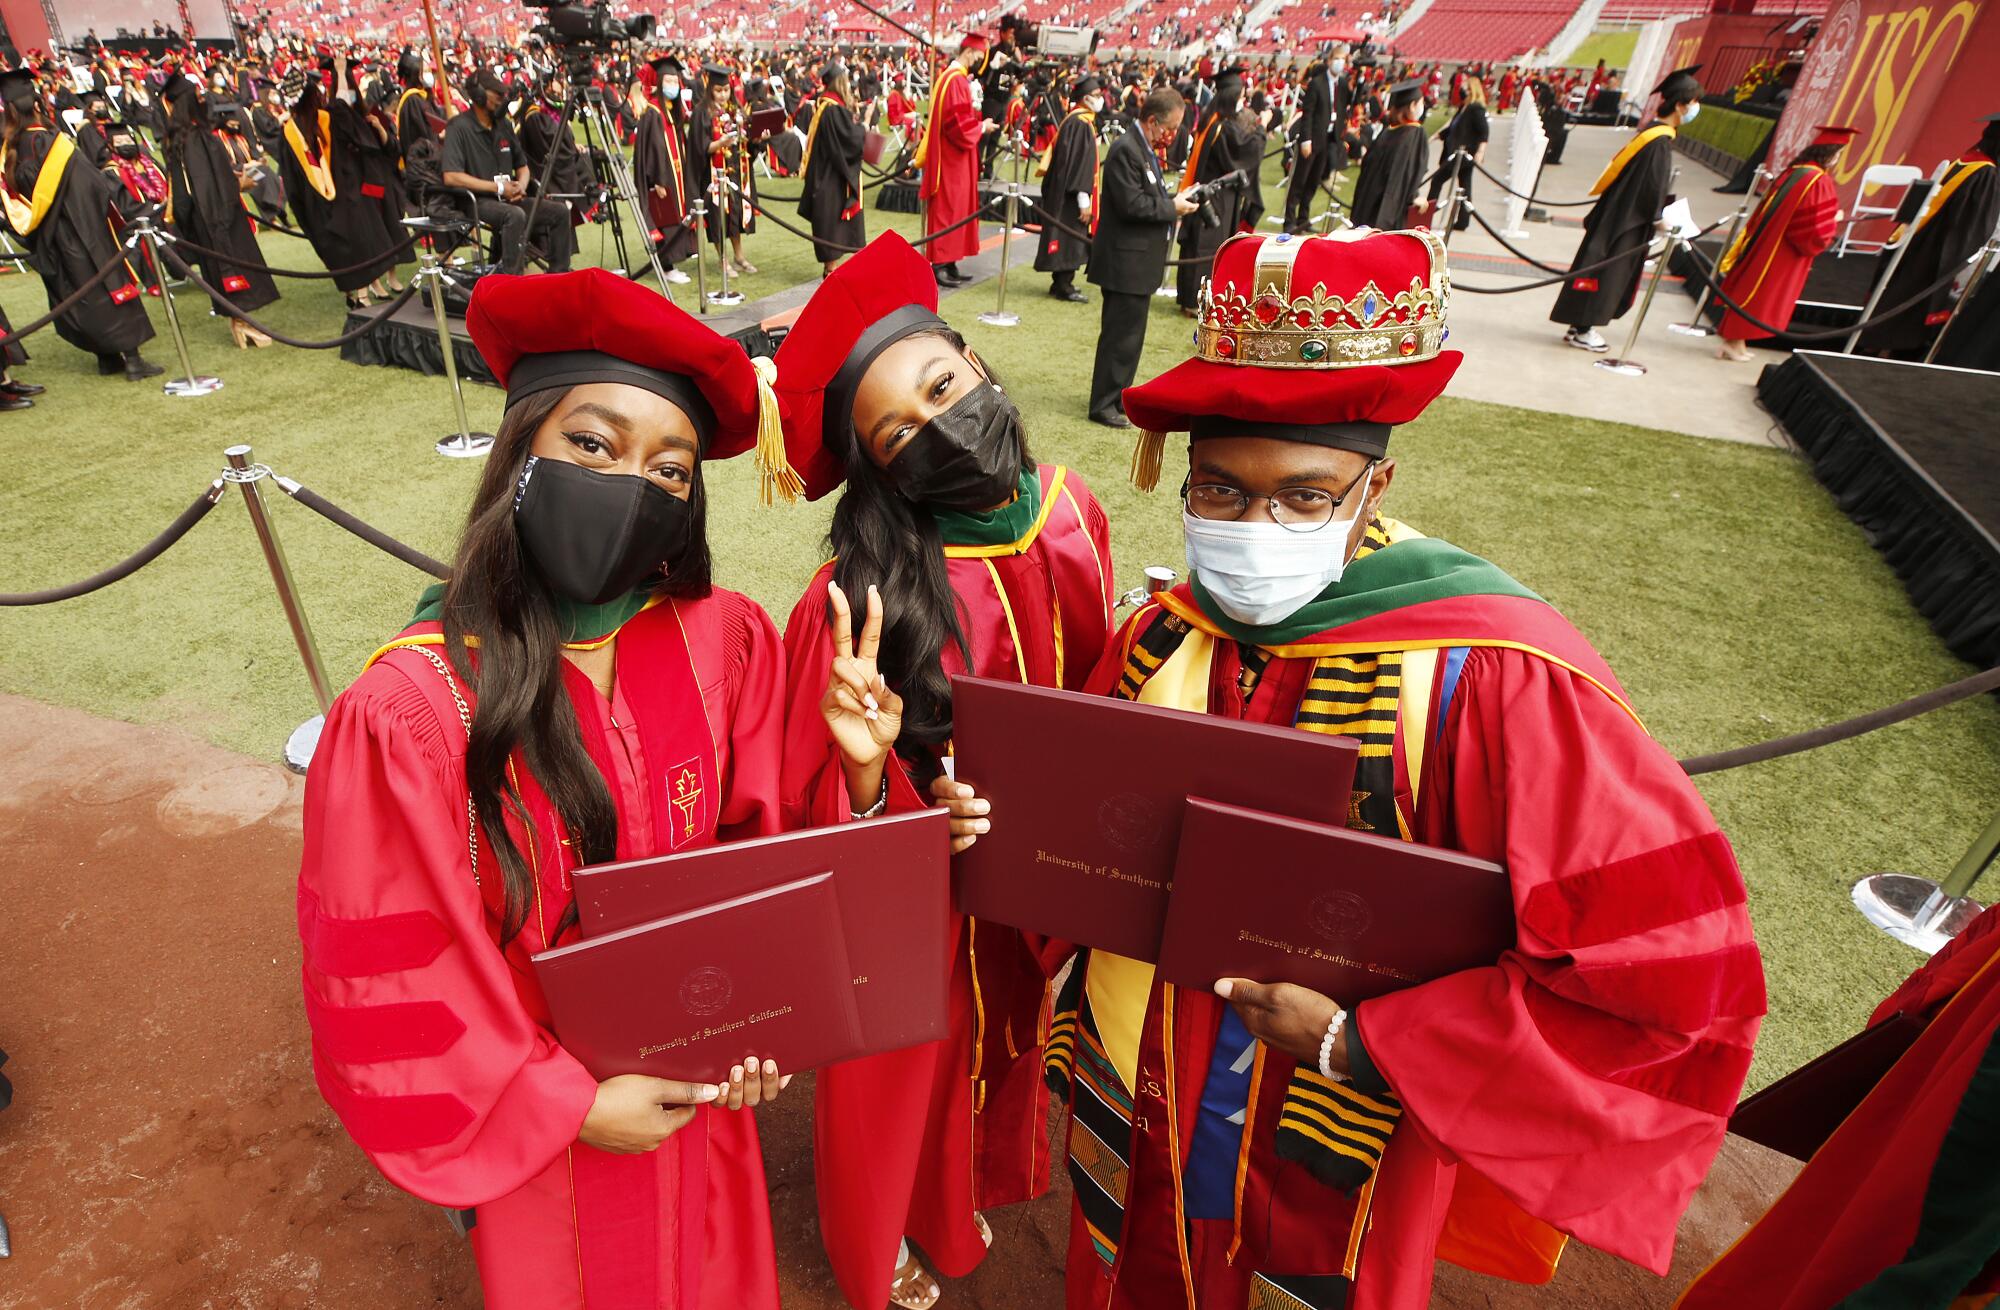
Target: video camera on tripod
<point>1204,195</point>
<point>1053,38</point>
<point>571,27</point>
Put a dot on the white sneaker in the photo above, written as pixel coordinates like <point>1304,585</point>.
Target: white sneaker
<point>680,279</point>
<point>1586,340</point>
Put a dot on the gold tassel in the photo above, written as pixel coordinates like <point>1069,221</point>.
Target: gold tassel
<point>1147,456</point>
<point>775,475</point>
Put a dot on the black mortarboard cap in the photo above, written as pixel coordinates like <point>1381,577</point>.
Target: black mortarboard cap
<point>1229,78</point>
<point>1405,93</point>
<point>1085,85</point>
<point>17,87</point>
<point>664,64</point>
<point>1680,85</point>
<point>715,72</point>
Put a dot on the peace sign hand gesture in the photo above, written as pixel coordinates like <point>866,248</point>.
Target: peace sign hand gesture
<point>862,715</point>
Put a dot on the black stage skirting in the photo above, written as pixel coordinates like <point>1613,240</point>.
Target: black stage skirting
<point>1911,453</point>
<point>410,340</point>
<point>1835,291</point>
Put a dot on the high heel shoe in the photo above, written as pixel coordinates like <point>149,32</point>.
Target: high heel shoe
<point>358,300</point>
<point>247,336</point>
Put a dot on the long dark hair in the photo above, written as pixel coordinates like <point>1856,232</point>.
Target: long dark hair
<point>1820,155</point>
<point>881,538</point>
<point>499,597</point>
<point>187,115</point>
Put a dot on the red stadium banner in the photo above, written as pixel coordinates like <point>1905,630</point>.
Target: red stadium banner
<point>1913,75</point>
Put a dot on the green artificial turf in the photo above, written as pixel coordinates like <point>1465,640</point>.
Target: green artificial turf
<point>1614,45</point>
<point>1733,599</point>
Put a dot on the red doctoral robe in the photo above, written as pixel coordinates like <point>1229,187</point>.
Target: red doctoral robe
<point>912,1142</point>
<point>433,1045</point>
<point>1578,1086</point>
<point>1766,269</point>
<point>950,158</point>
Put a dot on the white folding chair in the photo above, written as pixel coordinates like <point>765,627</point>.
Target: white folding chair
<point>1897,179</point>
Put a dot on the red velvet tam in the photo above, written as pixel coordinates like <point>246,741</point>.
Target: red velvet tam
<point>885,293</point>
<point>1826,134</point>
<point>549,330</point>
<point>1330,340</point>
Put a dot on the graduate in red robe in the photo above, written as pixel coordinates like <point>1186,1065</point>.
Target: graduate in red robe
<point>577,693</point>
<point>949,157</point>
<point>1270,1148</point>
<point>1765,268</point>
<point>986,562</point>
<point>1900,1208</point>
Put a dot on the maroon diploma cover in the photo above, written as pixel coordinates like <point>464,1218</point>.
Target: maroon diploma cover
<point>893,875</point>
<point>767,122</point>
<point>1088,795</point>
<point>688,996</point>
<point>1352,915</point>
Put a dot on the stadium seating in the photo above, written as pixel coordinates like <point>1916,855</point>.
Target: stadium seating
<point>1483,29</point>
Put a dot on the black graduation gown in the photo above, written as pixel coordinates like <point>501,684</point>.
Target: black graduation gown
<point>653,165</point>
<point>1391,172</point>
<point>1621,220</point>
<point>542,131</point>
<point>1251,212</point>
<point>830,198</point>
<point>1959,227</point>
<point>1974,339</point>
<point>724,204</point>
<point>381,179</point>
<point>419,147</point>
<point>347,230</point>
<point>208,212</point>
<point>269,192</point>
<point>786,149</point>
<point>91,145</point>
<point>71,243</point>
<point>1226,149</point>
<point>1072,168</point>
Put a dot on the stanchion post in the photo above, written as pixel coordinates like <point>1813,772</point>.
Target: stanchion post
<point>189,383</point>
<point>1923,913</point>
<point>1983,263</point>
<point>1696,326</point>
<point>465,443</point>
<point>1875,295</point>
<point>725,296</point>
<point>700,216</point>
<point>299,746</point>
<point>1000,315</point>
<point>1624,365</point>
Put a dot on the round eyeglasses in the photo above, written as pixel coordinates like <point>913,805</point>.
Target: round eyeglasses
<point>1301,509</point>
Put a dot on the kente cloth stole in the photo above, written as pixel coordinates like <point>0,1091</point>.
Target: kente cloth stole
<point>1336,1132</point>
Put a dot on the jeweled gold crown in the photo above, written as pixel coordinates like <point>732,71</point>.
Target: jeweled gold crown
<point>1336,301</point>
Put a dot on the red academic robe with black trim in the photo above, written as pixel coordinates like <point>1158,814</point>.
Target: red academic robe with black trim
<point>1580,1085</point>
<point>913,1142</point>
<point>1795,222</point>
<point>950,186</point>
<point>433,1044</point>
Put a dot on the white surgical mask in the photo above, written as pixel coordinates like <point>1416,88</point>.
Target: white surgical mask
<point>1687,115</point>
<point>1262,573</point>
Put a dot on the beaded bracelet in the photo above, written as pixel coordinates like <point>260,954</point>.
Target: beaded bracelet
<point>1326,1045</point>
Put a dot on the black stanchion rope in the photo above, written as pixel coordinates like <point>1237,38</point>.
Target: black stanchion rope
<point>1706,277</point>
<point>66,304</point>
<point>1533,200</point>
<point>374,536</point>
<point>132,563</point>
<point>236,262</point>
<point>389,308</point>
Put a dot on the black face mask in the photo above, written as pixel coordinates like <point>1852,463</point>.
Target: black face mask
<point>967,458</point>
<point>596,536</point>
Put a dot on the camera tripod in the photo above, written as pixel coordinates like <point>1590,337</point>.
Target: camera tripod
<point>596,120</point>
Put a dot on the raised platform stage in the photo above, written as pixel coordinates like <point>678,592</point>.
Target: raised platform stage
<point>1911,453</point>
<point>1836,290</point>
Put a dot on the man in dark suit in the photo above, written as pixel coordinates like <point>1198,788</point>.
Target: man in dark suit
<point>1136,217</point>
<point>1312,137</point>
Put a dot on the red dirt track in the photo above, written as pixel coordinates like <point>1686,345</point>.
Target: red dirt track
<point>167,1148</point>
